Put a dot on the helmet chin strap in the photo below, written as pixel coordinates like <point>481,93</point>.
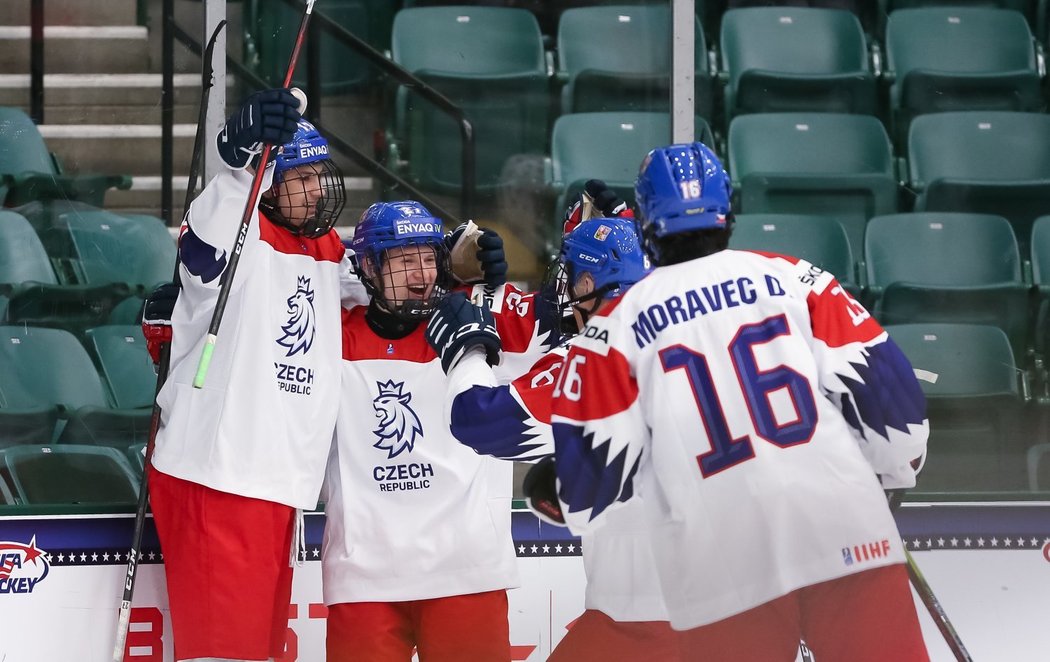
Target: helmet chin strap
<point>598,293</point>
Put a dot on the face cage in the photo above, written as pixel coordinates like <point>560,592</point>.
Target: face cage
<point>410,309</point>
<point>291,190</point>
<point>556,296</point>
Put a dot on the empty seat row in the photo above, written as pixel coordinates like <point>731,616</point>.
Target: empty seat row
<point>928,267</point>
<point>80,266</point>
<point>51,389</point>
<point>68,474</point>
<point>978,434</point>
<point>844,166</point>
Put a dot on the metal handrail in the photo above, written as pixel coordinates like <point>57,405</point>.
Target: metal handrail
<point>363,160</point>
<point>357,156</point>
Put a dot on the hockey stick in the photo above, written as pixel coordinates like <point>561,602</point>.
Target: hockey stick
<point>926,594</point>
<point>940,619</point>
<point>124,616</point>
<point>246,218</point>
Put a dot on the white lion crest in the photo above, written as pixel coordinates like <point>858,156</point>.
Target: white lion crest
<point>398,425</point>
<point>299,329</point>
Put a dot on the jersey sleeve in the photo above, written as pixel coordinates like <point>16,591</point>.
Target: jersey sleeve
<point>599,430</point>
<point>510,421</point>
<point>522,329</point>
<point>210,231</point>
<point>867,376</point>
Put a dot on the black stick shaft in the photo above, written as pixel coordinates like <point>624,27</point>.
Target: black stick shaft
<point>246,219</point>
<point>933,605</point>
<point>124,616</point>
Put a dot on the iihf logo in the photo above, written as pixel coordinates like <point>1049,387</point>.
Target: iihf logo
<point>299,329</point>
<point>398,425</point>
<point>22,566</point>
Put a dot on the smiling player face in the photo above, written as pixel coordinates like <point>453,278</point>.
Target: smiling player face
<point>409,273</point>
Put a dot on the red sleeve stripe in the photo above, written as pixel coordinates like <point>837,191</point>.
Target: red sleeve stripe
<point>593,386</point>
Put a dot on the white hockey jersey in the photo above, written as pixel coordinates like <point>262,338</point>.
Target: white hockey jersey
<point>512,422</point>
<point>751,402</point>
<point>263,423</point>
<point>411,513</point>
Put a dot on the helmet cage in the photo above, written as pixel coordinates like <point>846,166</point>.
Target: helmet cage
<point>388,225</point>
<point>308,193</point>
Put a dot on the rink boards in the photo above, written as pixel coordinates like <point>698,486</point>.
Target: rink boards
<point>61,579</point>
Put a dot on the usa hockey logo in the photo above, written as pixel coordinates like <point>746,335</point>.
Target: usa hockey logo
<point>22,566</point>
<point>398,425</point>
<point>298,331</point>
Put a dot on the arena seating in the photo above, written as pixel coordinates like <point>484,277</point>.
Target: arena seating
<point>69,475</point>
<point>973,398</point>
<point>947,267</point>
<point>816,239</point>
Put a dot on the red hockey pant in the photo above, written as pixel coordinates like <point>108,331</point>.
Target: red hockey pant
<point>454,629</point>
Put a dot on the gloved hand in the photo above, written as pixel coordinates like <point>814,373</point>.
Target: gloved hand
<point>156,318</point>
<point>269,116</point>
<point>596,201</point>
<point>458,325</point>
<point>477,255</point>
<point>541,492</point>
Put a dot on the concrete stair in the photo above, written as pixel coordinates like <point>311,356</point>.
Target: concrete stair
<point>78,48</point>
<point>72,12</point>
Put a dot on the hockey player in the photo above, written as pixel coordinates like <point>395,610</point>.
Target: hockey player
<point>417,548</point>
<point>236,459</point>
<point>754,406</point>
<point>625,618</point>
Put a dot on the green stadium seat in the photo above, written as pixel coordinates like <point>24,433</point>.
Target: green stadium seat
<point>95,247</point>
<point>137,457</point>
<point>824,164</point>
<point>984,162</point>
<point>1040,256</point>
<point>973,398</point>
<point>819,240</point>
<point>6,498</point>
<point>888,7</point>
<point>947,267</point>
<point>619,58</point>
<point>70,475</point>
<point>124,364</point>
<point>959,58</point>
<point>606,146</point>
<point>29,172</point>
<point>47,374</point>
<point>29,283</point>
<point>489,61</point>
<point>790,59</point>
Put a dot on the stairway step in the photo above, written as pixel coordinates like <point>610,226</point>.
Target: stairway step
<point>84,89</point>
<point>120,149</point>
<point>72,12</point>
<point>78,49</point>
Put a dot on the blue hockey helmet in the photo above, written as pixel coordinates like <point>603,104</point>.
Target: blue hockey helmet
<point>308,193</point>
<point>606,248</point>
<point>682,188</point>
<point>387,225</point>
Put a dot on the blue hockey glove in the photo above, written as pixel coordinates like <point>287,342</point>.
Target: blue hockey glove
<point>541,492</point>
<point>269,116</point>
<point>457,325</point>
<point>477,255</point>
<point>596,201</point>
